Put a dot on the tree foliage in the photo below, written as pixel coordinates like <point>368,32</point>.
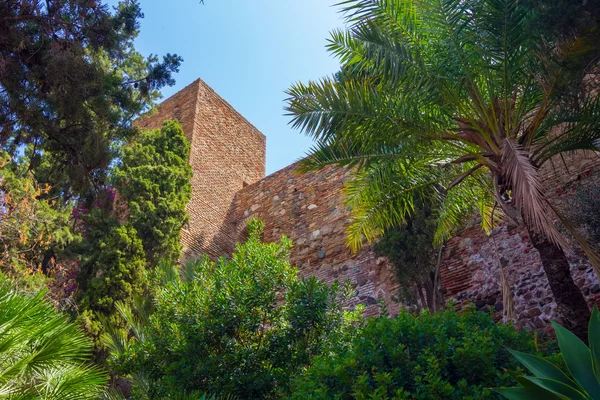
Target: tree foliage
<point>42,354</point>
<point>154,179</point>
<point>450,83</point>
<point>71,81</point>
<point>31,228</point>
<point>133,224</point>
<point>240,326</point>
<point>410,250</point>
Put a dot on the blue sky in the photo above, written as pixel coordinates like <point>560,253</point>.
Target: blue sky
<point>249,52</point>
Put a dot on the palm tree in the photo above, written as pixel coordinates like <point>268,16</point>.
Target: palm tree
<point>42,354</point>
<point>457,96</point>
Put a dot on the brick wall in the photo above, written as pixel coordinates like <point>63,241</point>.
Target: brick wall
<point>309,209</point>
<point>227,153</point>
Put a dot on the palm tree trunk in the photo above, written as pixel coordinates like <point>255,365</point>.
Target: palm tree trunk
<point>572,309</point>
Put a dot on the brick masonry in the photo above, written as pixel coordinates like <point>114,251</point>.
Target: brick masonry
<point>227,153</point>
<point>229,187</point>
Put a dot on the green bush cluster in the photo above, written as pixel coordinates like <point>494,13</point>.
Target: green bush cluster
<point>448,355</point>
<point>241,326</point>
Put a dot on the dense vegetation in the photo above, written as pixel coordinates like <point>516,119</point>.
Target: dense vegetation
<point>427,356</point>
<point>133,224</point>
<point>241,326</point>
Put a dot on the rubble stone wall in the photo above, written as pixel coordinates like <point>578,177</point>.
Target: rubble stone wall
<point>229,187</point>
<point>309,209</point>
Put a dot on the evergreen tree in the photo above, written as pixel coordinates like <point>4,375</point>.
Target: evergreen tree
<point>134,224</point>
<point>154,178</point>
<point>415,259</point>
<point>70,84</point>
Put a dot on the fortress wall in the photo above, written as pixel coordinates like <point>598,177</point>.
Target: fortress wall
<point>309,209</point>
<point>229,187</point>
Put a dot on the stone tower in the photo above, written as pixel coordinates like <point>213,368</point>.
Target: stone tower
<point>227,154</point>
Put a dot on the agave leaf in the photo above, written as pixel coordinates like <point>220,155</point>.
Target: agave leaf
<point>578,358</point>
<point>528,393</point>
<point>520,379</point>
<point>594,338</point>
<point>542,368</point>
<point>558,388</point>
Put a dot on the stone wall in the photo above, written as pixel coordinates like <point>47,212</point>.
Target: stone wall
<point>309,209</point>
<point>470,266</point>
<point>227,153</point>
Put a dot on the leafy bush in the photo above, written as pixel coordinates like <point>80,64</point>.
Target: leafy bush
<point>241,326</point>
<point>42,354</point>
<point>442,356</point>
<point>550,382</point>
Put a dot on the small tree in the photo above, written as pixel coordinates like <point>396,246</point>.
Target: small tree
<point>416,262</point>
<point>241,326</point>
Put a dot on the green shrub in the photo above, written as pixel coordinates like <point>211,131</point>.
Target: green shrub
<point>241,326</point>
<point>442,356</point>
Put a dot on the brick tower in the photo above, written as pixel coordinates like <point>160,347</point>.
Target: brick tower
<point>227,153</point>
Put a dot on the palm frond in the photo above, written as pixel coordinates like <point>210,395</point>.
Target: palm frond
<point>42,353</point>
<point>527,191</point>
<point>456,206</point>
<point>570,129</point>
<point>381,198</point>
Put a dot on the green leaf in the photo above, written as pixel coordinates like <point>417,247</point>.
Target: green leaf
<point>542,368</point>
<point>529,393</point>
<point>594,338</point>
<point>558,388</point>
<point>578,359</point>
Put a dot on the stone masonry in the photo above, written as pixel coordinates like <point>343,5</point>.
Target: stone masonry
<point>229,187</point>
<point>308,209</point>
